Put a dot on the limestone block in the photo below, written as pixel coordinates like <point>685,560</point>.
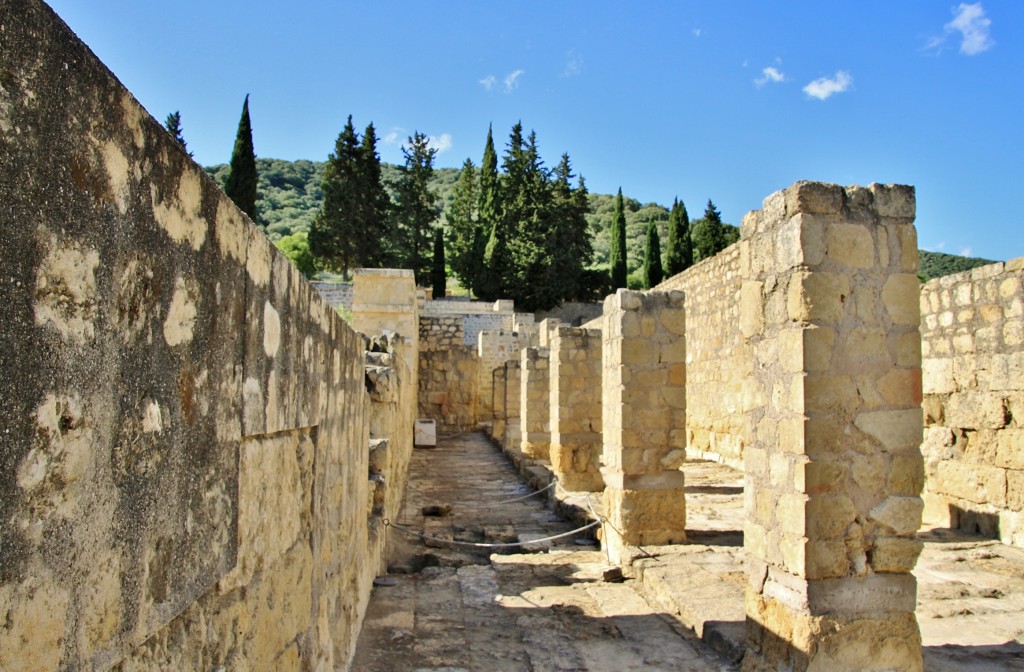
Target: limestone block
<point>900,295</point>
<point>937,376</point>
<point>976,410</point>
<point>894,200</point>
<point>819,297</point>
<point>1015,490</point>
<point>906,475</point>
<point>973,482</point>
<point>901,515</point>
<point>814,197</point>
<point>827,559</point>
<point>894,430</point>
<point>647,516</point>
<point>751,308</point>
<point>829,516</point>
<point>1009,448</point>
<point>1011,528</point>
<point>826,476</point>
<point>851,245</point>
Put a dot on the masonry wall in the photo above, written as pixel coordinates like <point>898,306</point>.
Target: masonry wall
<point>718,365</point>
<point>972,348</point>
<point>184,461</point>
<point>337,294</point>
<point>448,387</point>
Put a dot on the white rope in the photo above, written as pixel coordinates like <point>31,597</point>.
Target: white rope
<point>519,499</point>
<point>473,544</point>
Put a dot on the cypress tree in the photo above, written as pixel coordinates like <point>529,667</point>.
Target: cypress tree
<point>680,247</point>
<point>241,182</point>
<point>709,235</point>
<point>416,207</point>
<point>572,249</point>
<point>173,126</point>
<point>617,262</point>
<point>465,245</point>
<point>438,277</point>
<point>334,235</point>
<point>371,230</point>
<point>652,257</point>
<point>495,253</point>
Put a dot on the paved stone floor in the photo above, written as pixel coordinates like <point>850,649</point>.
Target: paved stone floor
<point>477,610</point>
<point>454,610</point>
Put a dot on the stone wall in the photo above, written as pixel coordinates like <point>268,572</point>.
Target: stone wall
<point>972,348</point>
<point>575,387</point>
<point>336,294</point>
<point>184,460</point>
<point>440,333</point>
<point>718,365</point>
<point>448,390</point>
<point>494,348</point>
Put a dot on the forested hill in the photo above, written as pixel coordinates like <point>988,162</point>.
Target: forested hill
<point>289,196</point>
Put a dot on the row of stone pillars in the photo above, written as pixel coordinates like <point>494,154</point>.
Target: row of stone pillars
<point>829,318</point>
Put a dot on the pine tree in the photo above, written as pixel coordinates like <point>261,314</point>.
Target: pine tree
<point>618,252</point>
<point>709,235</point>
<point>653,274</point>
<point>241,182</point>
<point>334,235</point>
<point>372,230</point>
<point>465,234</point>
<point>438,277</point>
<point>416,209</point>
<point>680,247</point>
<point>173,126</point>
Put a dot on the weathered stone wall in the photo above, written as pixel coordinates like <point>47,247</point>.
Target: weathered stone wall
<point>833,473</point>
<point>718,364</point>
<point>573,313</point>
<point>448,390</point>
<point>494,348</point>
<point>575,386</point>
<point>336,294</point>
<point>184,456</point>
<point>440,333</point>
<point>972,326</point>
<point>534,403</point>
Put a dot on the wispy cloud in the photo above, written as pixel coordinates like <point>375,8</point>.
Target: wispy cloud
<point>696,32</point>
<point>442,143</point>
<point>573,64</point>
<point>396,136</point>
<point>973,25</point>
<point>970,22</point>
<point>937,247</point>
<point>966,252</point>
<point>488,82</point>
<point>512,80</point>
<point>770,74</point>
<point>824,87</point>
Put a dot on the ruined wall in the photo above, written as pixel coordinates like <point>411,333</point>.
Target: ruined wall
<point>441,333</point>
<point>494,348</point>
<point>336,294</point>
<point>575,388</point>
<point>718,365</point>
<point>184,457</point>
<point>972,350</point>
<point>448,383</point>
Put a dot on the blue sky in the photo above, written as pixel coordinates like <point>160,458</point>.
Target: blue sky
<point>723,100</point>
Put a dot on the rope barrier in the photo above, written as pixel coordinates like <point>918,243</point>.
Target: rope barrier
<point>519,499</point>
<point>473,544</point>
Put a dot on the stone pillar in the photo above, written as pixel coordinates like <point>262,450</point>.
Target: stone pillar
<point>498,384</point>
<point>513,383</point>
<point>534,397</point>
<point>829,309</point>
<point>576,408</point>
<point>643,410</point>
<point>493,349</point>
<point>548,327</point>
<point>385,299</point>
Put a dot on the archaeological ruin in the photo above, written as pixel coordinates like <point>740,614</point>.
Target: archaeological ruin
<point>200,458</point>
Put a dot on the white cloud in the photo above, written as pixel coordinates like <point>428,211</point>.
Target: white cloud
<point>488,82</point>
<point>442,143</point>
<point>973,25</point>
<point>573,64</point>
<point>394,136</point>
<point>966,252</point>
<point>512,80</point>
<point>770,74</point>
<point>824,87</point>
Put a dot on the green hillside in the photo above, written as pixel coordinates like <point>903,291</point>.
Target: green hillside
<point>289,196</point>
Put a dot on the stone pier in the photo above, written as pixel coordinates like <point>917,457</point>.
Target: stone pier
<point>511,437</point>
<point>834,471</point>
<point>534,412</point>
<point>643,408</point>
<point>576,408</point>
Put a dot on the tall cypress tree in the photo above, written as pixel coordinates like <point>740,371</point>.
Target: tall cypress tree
<point>465,245</point>
<point>572,249</point>
<point>173,126</point>
<point>335,233</point>
<point>618,252</point>
<point>495,252</point>
<point>652,257</point>
<point>241,182</point>
<point>416,207</point>
<point>438,277</point>
<point>680,247</point>
<point>372,231</point>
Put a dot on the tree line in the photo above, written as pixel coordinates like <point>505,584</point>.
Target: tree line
<point>519,230</point>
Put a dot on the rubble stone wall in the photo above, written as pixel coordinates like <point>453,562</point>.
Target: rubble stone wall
<point>972,348</point>
<point>718,365</point>
<point>575,387</point>
<point>184,457</point>
<point>448,390</point>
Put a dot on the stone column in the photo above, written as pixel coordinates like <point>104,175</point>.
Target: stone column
<point>643,408</point>
<point>534,415</point>
<point>513,382</point>
<point>576,408</point>
<point>829,309</point>
<point>493,349</point>
<point>498,384</point>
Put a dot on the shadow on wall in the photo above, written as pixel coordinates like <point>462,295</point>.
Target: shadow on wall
<point>977,522</point>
